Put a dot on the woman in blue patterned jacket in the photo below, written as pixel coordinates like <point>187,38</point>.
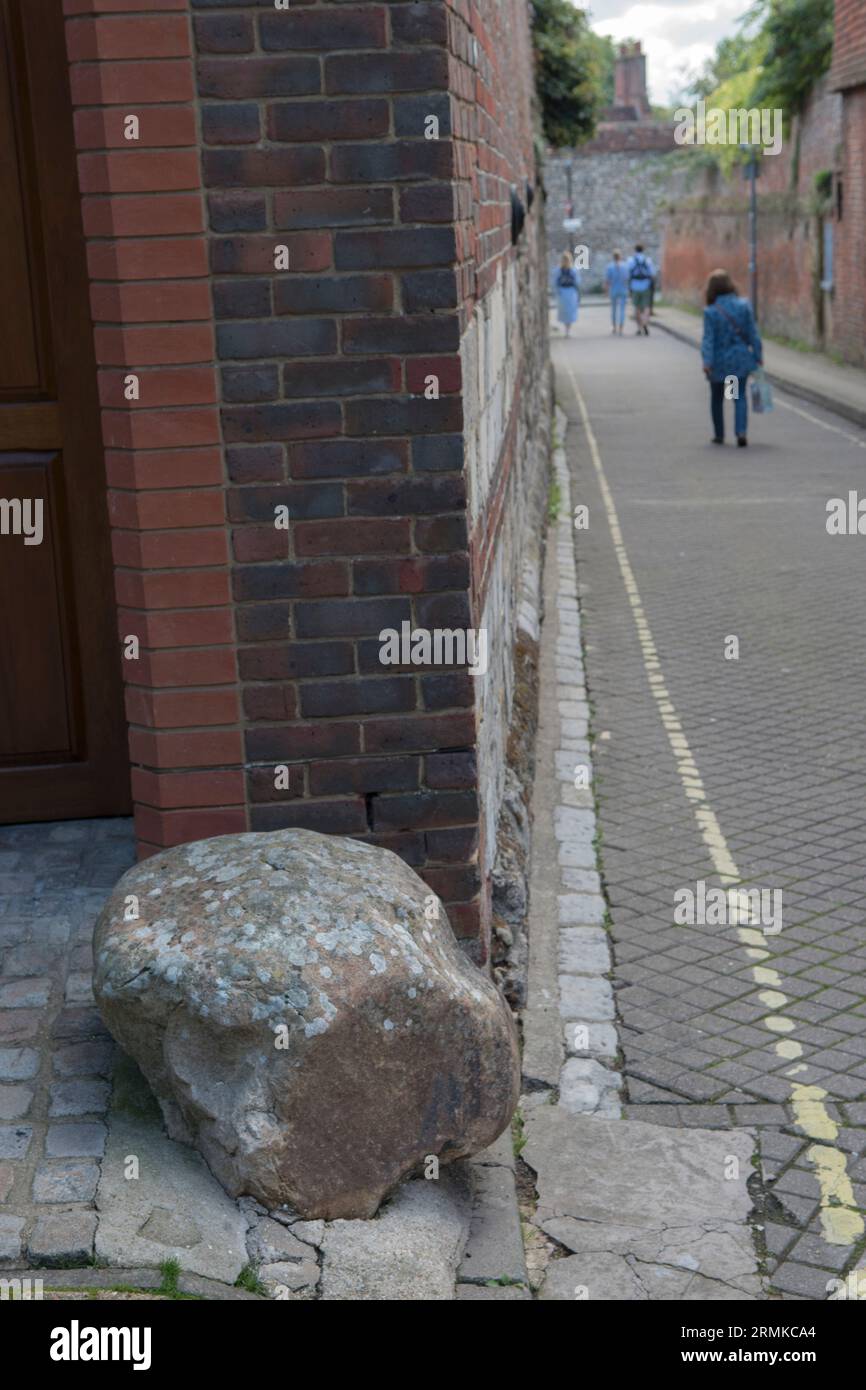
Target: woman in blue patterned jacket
<point>731,348</point>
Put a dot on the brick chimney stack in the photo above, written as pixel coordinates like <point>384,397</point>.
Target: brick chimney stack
<point>631,90</point>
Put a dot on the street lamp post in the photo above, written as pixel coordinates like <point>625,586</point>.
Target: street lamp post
<point>751,172</point>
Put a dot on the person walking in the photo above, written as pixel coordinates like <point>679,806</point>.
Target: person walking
<point>641,273</point>
<point>566,282</point>
<point>731,349</point>
<point>616,279</point>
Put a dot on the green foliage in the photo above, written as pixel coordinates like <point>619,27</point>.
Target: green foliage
<point>799,46</point>
<point>170,1271</point>
<point>248,1279</point>
<point>733,56</point>
<point>573,71</point>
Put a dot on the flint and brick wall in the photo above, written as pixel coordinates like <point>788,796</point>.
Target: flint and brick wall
<point>304,134</point>
<point>618,191</point>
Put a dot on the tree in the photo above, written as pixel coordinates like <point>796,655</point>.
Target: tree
<point>573,71</point>
<point>799,47</point>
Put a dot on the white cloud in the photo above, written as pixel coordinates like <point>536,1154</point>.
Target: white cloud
<point>677,35</point>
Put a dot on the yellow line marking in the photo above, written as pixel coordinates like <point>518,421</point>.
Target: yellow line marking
<point>834,429</point>
<point>842,1224</point>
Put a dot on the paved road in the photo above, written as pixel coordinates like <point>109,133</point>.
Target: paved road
<point>746,769</point>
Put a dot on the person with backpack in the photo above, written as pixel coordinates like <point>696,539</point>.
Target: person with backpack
<point>566,282</point>
<point>641,273</point>
<point>616,279</point>
<point>731,348</point>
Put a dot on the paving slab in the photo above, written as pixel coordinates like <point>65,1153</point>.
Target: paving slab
<point>649,1208</point>
<point>410,1252</point>
<point>174,1208</point>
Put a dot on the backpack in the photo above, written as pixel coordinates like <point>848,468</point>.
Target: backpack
<point>640,270</point>
<point>567,280</point>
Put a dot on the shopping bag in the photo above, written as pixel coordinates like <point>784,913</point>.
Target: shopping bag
<point>762,393</point>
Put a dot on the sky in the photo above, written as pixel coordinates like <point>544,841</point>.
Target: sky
<point>677,35</point>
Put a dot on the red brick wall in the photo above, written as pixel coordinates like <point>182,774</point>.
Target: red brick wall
<point>848,75</point>
<point>302,132</point>
<point>710,228</point>
<point>849,50</point>
<point>151,305</point>
<point>849,308</point>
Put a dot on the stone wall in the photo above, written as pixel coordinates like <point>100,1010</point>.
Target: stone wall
<point>618,194</point>
<point>308,255</point>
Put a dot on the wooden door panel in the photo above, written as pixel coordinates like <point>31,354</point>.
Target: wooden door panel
<point>62,728</point>
<point>36,721</point>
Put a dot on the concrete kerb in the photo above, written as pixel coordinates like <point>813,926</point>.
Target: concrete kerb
<point>783,382</point>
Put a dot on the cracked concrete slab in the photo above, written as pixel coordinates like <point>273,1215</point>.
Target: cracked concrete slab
<point>410,1251</point>
<point>174,1208</point>
<point>647,1212</point>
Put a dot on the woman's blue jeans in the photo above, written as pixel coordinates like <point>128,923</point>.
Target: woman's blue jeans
<point>617,310</point>
<point>741,407</point>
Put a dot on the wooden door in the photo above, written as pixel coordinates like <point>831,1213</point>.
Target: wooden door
<point>62,730</point>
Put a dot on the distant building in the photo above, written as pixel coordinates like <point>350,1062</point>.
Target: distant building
<point>614,182</point>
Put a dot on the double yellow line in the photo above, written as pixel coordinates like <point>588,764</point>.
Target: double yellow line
<point>842,1224</point>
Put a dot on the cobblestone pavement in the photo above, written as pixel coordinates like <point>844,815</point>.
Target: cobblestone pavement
<point>55,1055</point>
<point>750,770</point>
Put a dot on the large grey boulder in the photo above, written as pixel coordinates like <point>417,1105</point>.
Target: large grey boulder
<point>304,1016</point>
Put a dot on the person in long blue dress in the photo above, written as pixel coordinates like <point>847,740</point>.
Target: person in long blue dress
<point>566,282</point>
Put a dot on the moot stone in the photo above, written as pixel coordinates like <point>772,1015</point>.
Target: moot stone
<point>304,1016</point>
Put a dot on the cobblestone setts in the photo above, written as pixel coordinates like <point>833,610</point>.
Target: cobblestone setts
<point>55,1054</point>
<point>780,746</point>
<point>589,1084</point>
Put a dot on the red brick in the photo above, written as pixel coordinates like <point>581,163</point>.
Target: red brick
<point>191,588</point>
<point>167,509</point>
<point>126,38</point>
<point>146,215</point>
<point>145,347</point>
<point>187,748</point>
<point>134,171</point>
<point>160,429</point>
<point>166,301</point>
<point>162,126</point>
<point>152,550</point>
<point>251,543</point>
<point>162,386</point>
<point>343,537</point>
<point>163,468</point>
<point>158,258</point>
<point>114,84</point>
<point>447,369</point>
<point>195,666</point>
<point>270,703</point>
<point>168,828</point>
<point>256,254</point>
<point>198,626</point>
<point>173,790</point>
<point>181,709</point>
